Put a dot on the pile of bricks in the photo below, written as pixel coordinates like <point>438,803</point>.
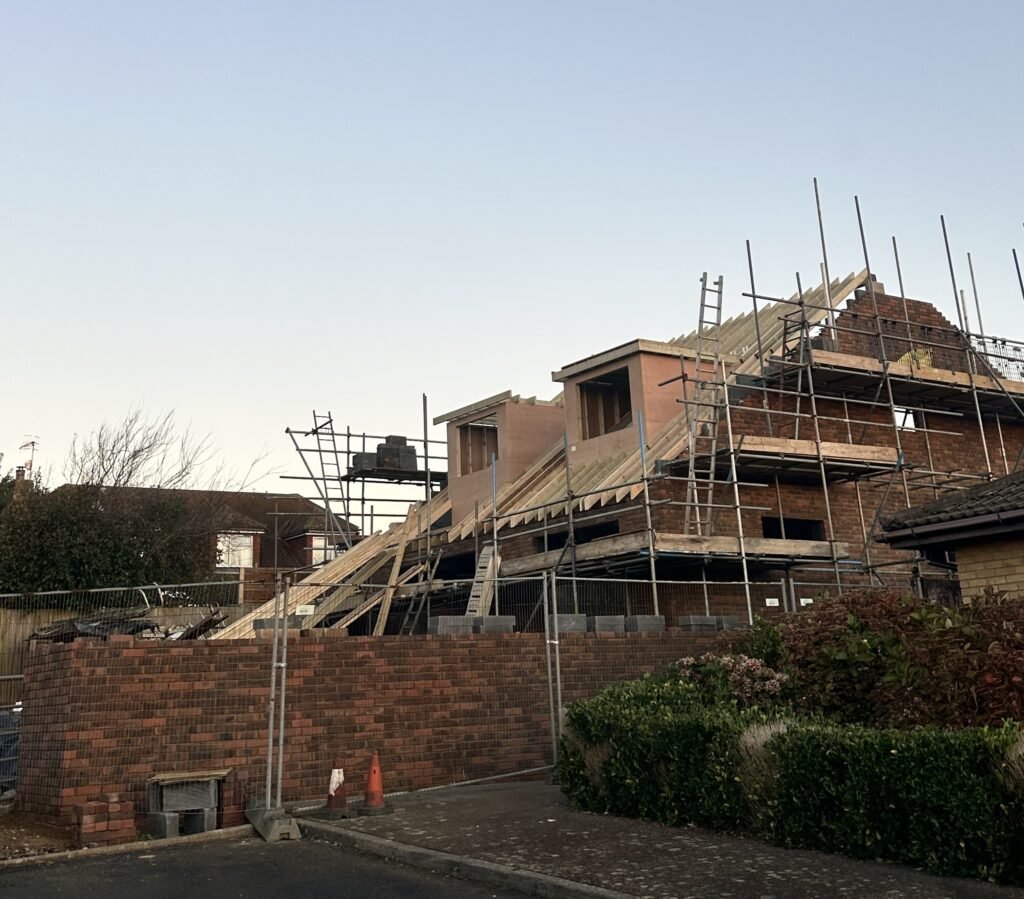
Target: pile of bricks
<point>103,821</point>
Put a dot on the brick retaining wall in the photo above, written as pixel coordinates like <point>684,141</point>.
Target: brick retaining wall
<point>102,717</point>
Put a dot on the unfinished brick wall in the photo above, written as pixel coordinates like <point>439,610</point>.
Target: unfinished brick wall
<point>929,330</point>
<point>102,717</point>
<point>954,445</point>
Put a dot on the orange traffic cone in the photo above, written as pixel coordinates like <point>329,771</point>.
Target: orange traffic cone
<point>374,803</point>
<point>337,801</point>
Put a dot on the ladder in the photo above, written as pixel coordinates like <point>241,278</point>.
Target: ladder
<point>333,486</point>
<point>418,603</point>
<point>703,408</point>
<point>481,595</point>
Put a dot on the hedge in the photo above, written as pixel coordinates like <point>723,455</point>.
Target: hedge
<point>947,801</point>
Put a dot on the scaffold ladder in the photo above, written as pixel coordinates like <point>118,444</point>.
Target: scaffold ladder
<point>703,408</point>
<point>333,486</point>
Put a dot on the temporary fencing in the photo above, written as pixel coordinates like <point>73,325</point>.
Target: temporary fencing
<point>445,697</point>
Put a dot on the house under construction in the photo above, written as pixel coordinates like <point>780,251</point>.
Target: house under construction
<point>749,461</point>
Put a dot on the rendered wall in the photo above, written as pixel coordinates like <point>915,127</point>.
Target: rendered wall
<point>525,432</point>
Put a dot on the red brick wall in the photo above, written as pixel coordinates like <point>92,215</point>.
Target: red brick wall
<point>857,330</point>
<point>102,717</point>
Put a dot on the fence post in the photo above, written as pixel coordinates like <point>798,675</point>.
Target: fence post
<point>558,650</point>
<point>273,691</point>
<point>547,659</point>
<point>284,685</point>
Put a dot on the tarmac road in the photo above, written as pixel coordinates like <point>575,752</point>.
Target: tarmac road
<point>243,868</point>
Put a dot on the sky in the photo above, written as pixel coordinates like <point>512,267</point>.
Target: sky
<point>244,211</point>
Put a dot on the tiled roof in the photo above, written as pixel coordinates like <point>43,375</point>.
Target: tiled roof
<point>237,510</point>
<point>1001,495</point>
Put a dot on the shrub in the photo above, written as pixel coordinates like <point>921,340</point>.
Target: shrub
<point>747,682</point>
<point>948,801</point>
<point>655,750</point>
<point>933,798</point>
<point>761,640</point>
<point>878,657</point>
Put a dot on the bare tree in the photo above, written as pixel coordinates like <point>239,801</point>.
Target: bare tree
<point>139,451</point>
<point>144,503</point>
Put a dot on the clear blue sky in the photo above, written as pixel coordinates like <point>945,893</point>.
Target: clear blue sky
<point>242,211</point>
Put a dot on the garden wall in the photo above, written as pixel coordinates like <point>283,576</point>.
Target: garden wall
<point>100,718</point>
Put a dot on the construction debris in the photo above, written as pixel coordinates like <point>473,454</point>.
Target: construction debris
<point>108,622</point>
<point>104,623</point>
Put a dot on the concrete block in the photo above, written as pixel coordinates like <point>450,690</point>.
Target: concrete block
<point>273,824</point>
<point>198,821</point>
<point>451,624</point>
<point>652,624</point>
<point>494,624</point>
<point>388,456</point>
<point>161,825</point>
<point>295,622</point>
<point>568,624</point>
<point>406,458</point>
<point>364,461</point>
<point>702,623</point>
<point>395,440</point>
<point>605,624</point>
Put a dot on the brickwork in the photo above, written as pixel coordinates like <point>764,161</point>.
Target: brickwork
<point>998,564</point>
<point>857,329</point>
<point>103,821</point>
<point>102,717</point>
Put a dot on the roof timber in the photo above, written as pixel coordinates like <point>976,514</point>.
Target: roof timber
<point>356,562</point>
<point>621,476</point>
<point>545,482</point>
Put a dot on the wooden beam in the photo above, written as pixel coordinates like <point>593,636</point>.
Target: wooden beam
<point>378,597</point>
<point>396,567</point>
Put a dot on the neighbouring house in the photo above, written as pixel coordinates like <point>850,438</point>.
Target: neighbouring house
<point>977,533</point>
<point>259,534</point>
<point>248,538</point>
<point>255,535</point>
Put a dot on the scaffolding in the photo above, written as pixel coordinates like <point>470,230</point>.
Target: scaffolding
<point>344,467</point>
<point>857,410</point>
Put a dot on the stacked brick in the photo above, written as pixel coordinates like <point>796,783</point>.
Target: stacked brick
<point>103,821</point>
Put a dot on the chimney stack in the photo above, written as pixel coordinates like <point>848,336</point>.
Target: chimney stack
<point>22,483</point>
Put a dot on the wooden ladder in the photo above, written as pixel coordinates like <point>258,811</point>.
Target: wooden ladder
<point>481,595</point>
<point>418,603</point>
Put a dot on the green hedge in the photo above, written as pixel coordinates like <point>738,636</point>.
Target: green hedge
<point>652,749</point>
<point>942,800</point>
